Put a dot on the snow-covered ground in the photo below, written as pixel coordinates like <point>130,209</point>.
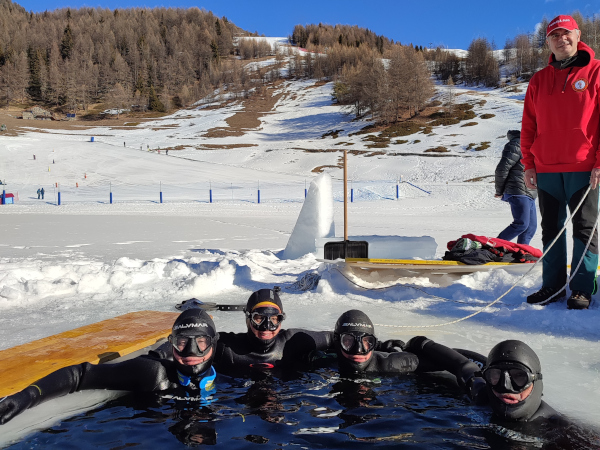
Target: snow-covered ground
<point>86,260</point>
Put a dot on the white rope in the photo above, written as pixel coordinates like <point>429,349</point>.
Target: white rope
<point>518,280</point>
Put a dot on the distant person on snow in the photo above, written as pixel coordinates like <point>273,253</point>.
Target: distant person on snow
<point>39,192</point>
<point>560,136</point>
<point>42,192</point>
<point>510,187</point>
<point>188,377</point>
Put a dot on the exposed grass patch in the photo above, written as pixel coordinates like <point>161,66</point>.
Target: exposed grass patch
<point>478,147</point>
<point>469,124</point>
<point>314,150</point>
<point>478,178</point>
<point>416,141</point>
<point>460,112</point>
<point>439,149</point>
<point>131,124</point>
<point>365,130</point>
<point>378,145</point>
<point>358,152</point>
<point>218,146</point>
<point>400,141</point>
<point>320,169</point>
<point>332,133</point>
<point>341,143</point>
<point>487,116</point>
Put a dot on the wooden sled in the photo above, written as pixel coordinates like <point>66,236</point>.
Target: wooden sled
<point>95,343</point>
<point>394,271</point>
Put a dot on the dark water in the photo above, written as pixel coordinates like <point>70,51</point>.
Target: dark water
<point>311,411</point>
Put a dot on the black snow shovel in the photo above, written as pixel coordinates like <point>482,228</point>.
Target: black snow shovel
<point>346,248</point>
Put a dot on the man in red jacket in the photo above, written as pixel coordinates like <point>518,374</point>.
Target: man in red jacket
<point>559,139</point>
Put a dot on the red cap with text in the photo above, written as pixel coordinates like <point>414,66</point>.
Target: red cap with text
<point>566,22</point>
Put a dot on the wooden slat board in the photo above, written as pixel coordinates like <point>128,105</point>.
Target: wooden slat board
<point>441,266</point>
<point>99,342</point>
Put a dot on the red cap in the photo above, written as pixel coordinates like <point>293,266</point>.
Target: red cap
<point>566,22</point>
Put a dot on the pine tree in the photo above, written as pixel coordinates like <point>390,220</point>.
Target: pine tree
<point>66,45</point>
<point>154,104</point>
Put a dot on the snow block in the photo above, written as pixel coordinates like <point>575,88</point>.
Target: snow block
<point>315,219</point>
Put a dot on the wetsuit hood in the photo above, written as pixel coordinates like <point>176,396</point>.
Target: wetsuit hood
<point>508,353</point>
<point>353,321</point>
<point>192,323</point>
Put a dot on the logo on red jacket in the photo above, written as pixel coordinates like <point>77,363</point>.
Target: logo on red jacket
<point>580,85</point>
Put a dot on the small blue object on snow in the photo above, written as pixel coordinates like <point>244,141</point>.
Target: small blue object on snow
<point>92,140</point>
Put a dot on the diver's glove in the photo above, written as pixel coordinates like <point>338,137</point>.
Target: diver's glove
<point>475,387</point>
<point>390,346</point>
<point>15,404</point>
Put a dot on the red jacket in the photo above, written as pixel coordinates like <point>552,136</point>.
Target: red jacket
<point>560,131</point>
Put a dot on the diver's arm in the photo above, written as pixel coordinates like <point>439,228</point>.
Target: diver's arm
<point>437,357</point>
<point>138,374</point>
<point>394,362</point>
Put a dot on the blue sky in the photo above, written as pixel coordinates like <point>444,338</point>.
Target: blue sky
<point>449,23</point>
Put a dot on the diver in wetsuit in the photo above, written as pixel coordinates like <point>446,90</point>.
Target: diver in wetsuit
<point>187,378</point>
<point>266,345</point>
<point>358,351</point>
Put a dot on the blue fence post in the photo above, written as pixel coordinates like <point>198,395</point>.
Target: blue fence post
<point>3,196</point>
<point>161,191</point>
<point>58,198</point>
<point>305,191</point>
<point>397,191</point>
<point>111,198</point>
<point>110,190</point>
<point>351,195</point>
<point>258,191</point>
<point>210,191</point>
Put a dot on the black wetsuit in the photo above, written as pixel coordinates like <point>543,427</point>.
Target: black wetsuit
<point>289,349</point>
<point>239,354</point>
<point>141,374</point>
<point>380,363</point>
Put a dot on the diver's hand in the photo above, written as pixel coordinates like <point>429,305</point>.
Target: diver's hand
<point>15,404</point>
<point>475,387</point>
<point>390,346</point>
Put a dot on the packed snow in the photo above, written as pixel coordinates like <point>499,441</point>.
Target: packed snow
<point>86,260</point>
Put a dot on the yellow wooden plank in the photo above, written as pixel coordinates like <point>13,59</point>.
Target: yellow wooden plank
<point>419,262</point>
<point>98,342</point>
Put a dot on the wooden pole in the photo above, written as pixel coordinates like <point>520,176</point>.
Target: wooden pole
<point>345,195</point>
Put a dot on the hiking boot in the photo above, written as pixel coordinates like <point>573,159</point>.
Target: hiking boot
<point>579,300</point>
<point>544,294</point>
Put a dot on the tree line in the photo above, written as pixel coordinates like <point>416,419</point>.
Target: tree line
<point>72,57</point>
<point>520,57</point>
<point>165,58</point>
